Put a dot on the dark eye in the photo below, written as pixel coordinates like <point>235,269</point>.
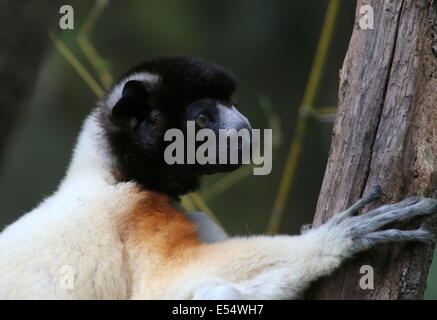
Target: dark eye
<point>156,118</point>
<point>202,121</point>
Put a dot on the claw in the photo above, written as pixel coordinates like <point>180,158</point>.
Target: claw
<point>375,193</point>
<point>429,205</point>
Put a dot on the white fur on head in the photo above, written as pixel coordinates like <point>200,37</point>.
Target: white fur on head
<point>91,159</point>
<point>116,92</point>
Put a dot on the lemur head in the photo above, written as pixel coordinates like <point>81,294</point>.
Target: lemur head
<point>160,95</point>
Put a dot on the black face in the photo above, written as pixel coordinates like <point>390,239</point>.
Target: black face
<point>187,89</point>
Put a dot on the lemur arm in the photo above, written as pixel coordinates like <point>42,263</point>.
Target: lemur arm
<point>282,267</point>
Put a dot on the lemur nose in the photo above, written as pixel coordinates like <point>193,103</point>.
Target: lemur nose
<point>244,122</point>
<point>231,118</point>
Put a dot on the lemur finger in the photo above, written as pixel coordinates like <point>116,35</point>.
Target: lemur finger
<point>391,207</point>
<point>374,194</point>
<point>392,235</point>
<point>371,222</point>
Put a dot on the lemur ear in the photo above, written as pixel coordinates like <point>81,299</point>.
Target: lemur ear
<point>132,104</point>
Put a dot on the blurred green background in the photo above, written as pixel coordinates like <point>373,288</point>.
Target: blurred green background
<point>269,46</point>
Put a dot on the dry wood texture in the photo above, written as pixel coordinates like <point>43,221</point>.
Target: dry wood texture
<point>385,133</point>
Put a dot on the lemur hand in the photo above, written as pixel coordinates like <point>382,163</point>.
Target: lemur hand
<point>365,230</point>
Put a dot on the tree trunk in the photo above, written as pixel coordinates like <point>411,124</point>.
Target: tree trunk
<point>385,133</point>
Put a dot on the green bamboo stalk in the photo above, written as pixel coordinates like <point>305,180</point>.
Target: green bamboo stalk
<point>226,182</point>
<point>188,204</point>
<point>75,63</point>
<point>88,48</point>
<point>324,114</point>
<point>304,114</point>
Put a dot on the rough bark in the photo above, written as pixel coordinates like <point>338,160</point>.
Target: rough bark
<point>385,133</point>
<point>23,38</point>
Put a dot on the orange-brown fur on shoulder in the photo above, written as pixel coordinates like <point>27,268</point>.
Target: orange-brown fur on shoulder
<point>155,225</point>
